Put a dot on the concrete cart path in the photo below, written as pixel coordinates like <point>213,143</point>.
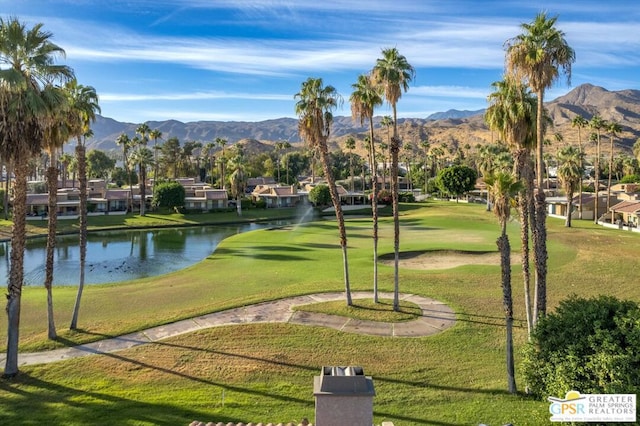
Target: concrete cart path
<point>435,318</point>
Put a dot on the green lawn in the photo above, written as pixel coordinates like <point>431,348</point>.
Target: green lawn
<point>264,373</point>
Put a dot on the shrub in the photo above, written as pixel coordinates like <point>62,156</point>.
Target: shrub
<point>630,179</point>
<point>320,196</point>
<point>588,345</point>
<point>384,196</point>
<point>260,203</point>
<point>406,197</point>
<point>169,194</point>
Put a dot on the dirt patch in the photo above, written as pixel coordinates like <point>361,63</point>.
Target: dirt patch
<point>444,259</point>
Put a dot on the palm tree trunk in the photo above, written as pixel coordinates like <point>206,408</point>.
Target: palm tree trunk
<point>5,201</point>
<point>525,201</point>
<point>82,171</point>
<point>52,182</point>
<point>505,265</point>
<point>374,210</point>
<point>16,271</point>
<point>143,189</point>
<point>596,185</point>
<point>567,222</point>
<point>540,225</point>
<point>339,217</point>
<point>609,180</point>
<point>395,149</point>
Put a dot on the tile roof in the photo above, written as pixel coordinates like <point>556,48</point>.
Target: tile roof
<point>626,207</point>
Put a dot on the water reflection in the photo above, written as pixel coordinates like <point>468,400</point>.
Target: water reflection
<point>124,255</point>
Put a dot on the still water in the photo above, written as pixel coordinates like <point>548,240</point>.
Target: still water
<point>114,256</point>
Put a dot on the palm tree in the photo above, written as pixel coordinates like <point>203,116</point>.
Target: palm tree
<point>83,106</point>
<point>538,56</point>
<point>511,113</point>
<point>596,123</point>
<point>504,187</point>
<point>142,157</point>
<point>350,144</point>
<point>279,146</point>
<point>364,99</point>
<point>143,130</point>
<point>570,172</point>
<point>314,107</point>
<point>238,179</point>
<point>221,143</point>
<point>425,145</point>
<point>124,141</point>
<point>155,134</point>
<point>28,58</point>
<point>56,134</point>
<point>394,73</point>
<point>613,128</point>
<point>65,160</point>
<point>580,122</point>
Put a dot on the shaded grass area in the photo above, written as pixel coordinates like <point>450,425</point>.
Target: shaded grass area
<point>367,309</point>
<point>263,372</point>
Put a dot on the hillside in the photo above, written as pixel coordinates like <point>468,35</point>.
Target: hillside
<point>455,128</point>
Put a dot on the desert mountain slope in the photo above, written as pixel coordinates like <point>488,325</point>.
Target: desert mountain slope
<point>454,128</point>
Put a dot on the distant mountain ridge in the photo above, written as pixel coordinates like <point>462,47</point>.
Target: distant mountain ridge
<point>454,113</point>
<point>453,127</point>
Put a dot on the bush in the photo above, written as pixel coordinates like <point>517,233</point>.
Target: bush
<point>630,179</point>
<point>169,194</point>
<point>406,197</point>
<point>384,196</point>
<point>260,203</point>
<point>320,196</point>
<point>588,345</point>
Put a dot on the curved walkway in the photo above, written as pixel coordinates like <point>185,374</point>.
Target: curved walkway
<point>436,317</point>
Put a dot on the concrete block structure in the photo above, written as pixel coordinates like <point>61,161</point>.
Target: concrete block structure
<point>344,396</point>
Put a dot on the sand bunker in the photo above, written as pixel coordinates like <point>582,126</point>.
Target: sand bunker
<point>444,259</point>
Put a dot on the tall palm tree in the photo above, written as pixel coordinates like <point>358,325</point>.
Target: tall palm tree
<point>28,59</point>
<point>155,134</point>
<point>142,157</point>
<point>570,172</point>
<point>394,73</point>
<point>314,106</point>
<point>143,130</point>
<point>125,142</point>
<point>425,145</point>
<point>83,106</point>
<point>512,113</point>
<point>613,128</point>
<point>596,123</point>
<point>238,179</point>
<point>504,187</point>
<point>221,142</point>
<point>539,55</point>
<point>580,122</point>
<point>364,99</point>
<point>350,144</point>
<point>56,134</point>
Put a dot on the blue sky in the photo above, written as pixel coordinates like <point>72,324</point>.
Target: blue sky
<point>243,60</point>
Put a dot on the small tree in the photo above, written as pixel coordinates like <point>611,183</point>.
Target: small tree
<point>456,180</point>
<point>169,195</point>
<point>320,196</point>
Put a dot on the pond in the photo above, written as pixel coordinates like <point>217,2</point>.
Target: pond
<point>114,256</point>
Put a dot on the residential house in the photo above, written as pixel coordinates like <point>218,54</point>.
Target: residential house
<point>557,206</point>
<point>625,214</point>
<point>277,196</point>
<point>68,205</point>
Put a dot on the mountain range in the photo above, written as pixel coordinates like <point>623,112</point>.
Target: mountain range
<point>453,127</point>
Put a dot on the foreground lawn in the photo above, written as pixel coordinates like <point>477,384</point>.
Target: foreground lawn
<point>265,372</point>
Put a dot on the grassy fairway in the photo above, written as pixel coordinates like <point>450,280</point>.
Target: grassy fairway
<point>265,372</point>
